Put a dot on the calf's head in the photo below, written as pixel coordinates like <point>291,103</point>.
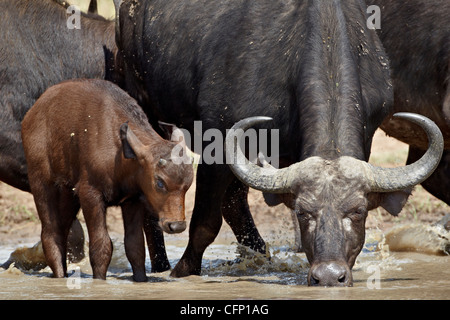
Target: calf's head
<point>332,197</point>
<point>162,182</point>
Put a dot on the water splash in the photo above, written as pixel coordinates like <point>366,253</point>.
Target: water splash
<point>278,265</point>
<point>27,258</point>
<point>415,237</point>
<point>377,253</point>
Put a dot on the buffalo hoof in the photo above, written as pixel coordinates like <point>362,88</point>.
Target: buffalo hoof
<point>160,266</point>
<point>184,269</point>
<point>140,278</point>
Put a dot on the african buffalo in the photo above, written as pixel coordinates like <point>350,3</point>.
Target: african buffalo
<point>344,188</point>
<point>99,150</point>
<point>416,36</point>
<point>38,50</point>
<point>312,66</point>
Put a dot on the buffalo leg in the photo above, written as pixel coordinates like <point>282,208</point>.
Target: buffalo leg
<point>212,181</point>
<point>75,242</point>
<point>438,184</point>
<point>100,245</point>
<point>133,221</point>
<point>155,244</point>
<point>236,213</point>
<point>57,208</point>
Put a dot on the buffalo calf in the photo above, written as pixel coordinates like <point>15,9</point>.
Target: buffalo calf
<point>89,145</point>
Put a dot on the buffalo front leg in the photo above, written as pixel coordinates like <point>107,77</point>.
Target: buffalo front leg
<point>236,213</point>
<point>133,221</point>
<point>155,243</point>
<point>100,245</point>
<point>212,181</point>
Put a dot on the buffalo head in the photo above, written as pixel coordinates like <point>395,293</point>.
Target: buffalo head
<point>332,197</point>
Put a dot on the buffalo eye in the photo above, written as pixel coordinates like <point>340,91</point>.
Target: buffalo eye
<point>304,215</point>
<point>358,213</point>
<point>160,185</point>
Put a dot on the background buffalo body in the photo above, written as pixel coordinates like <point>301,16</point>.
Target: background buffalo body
<point>416,35</point>
<point>38,50</point>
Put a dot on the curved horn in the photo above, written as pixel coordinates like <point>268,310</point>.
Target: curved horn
<point>394,179</point>
<point>267,179</point>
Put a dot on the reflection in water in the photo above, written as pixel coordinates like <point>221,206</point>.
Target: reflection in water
<point>232,272</point>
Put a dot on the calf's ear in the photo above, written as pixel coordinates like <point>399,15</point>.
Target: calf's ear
<point>172,133</point>
<point>131,144</point>
<point>167,129</point>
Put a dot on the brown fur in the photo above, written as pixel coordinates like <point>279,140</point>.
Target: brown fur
<point>89,144</point>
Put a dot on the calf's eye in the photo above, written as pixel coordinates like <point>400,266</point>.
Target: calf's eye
<point>160,184</point>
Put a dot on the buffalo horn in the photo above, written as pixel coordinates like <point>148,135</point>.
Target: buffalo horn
<point>267,178</point>
<point>395,179</point>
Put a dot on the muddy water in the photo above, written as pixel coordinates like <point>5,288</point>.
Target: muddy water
<point>378,274</point>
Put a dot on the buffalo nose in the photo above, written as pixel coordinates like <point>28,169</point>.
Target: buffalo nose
<point>330,274</point>
<point>177,226</point>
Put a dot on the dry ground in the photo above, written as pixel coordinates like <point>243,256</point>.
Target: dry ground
<point>19,222</point>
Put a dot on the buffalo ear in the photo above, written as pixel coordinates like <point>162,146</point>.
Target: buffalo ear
<point>274,199</point>
<point>392,202</point>
<point>167,129</point>
<point>172,133</point>
<point>131,144</point>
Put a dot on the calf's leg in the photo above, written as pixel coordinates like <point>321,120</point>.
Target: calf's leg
<point>57,209</point>
<point>133,219</point>
<point>100,245</point>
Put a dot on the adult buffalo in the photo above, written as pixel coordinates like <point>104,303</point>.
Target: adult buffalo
<point>38,50</point>
<point>416,35</point>
<point>315,69</point>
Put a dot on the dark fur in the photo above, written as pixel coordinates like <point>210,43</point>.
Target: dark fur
<point>76,157</point>
<point>310,65</point>
<point>37,50</point>
<point>416,35</point>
